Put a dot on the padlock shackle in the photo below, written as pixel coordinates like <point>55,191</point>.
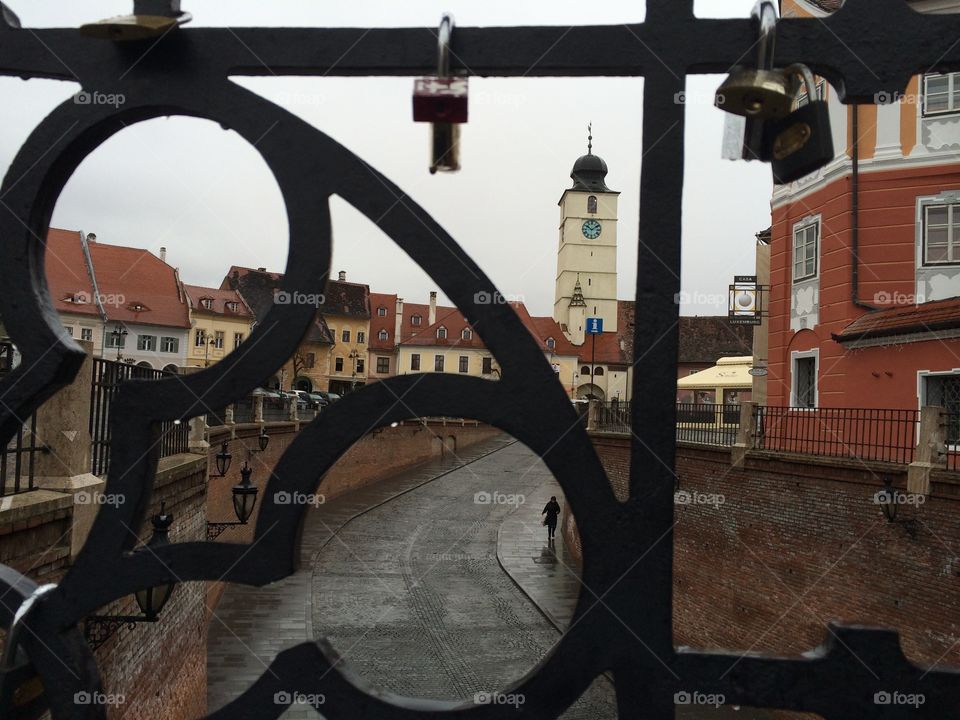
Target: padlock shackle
<point>765,13</point>
<point>444,34</point>
<point>806,74</point>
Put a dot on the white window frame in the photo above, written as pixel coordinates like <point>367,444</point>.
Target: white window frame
<point>175,342</point>
<point>218,339</point>
<point>383,334</point>
<point>237,339</point>
<point>144,340</point>
<point>953,235</point>
<point>86,334</point>
<point>381,311</point>
<point>200,338</point>
<point>802,227</point>
<point>441,333</point>
<point>799,355</point>
<point>953,94</point>
<point>922,376</point>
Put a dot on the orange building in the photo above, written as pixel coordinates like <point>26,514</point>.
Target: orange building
<point>865,256</point>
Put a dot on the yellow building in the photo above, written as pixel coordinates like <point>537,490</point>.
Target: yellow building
<point>346,310</point>
<point>219,321</point>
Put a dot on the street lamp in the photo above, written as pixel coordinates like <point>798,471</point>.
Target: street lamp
<point>223,459</point>
<point>263,439</point>
<point>97,629</point>
<point>244,501</point>
<point>119,333</point>
<point>354,355</point>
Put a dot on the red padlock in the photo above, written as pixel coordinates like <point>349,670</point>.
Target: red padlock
<point>442,101</point>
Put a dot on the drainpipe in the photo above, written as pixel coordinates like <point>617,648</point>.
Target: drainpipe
<point>88,260</point>
<point>855,215</point>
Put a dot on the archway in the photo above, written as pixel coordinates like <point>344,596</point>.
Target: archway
<point>303,383</point>
<point>588,391</point>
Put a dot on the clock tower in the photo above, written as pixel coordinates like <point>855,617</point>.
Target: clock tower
<point>586,284</point>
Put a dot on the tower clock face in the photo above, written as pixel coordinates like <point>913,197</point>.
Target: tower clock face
<point>591,229</point>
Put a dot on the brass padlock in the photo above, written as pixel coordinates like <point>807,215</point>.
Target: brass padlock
<point>802,142</point>
<point>150,19</point>
<point>760,92</point>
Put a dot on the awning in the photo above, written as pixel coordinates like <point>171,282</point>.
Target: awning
<point>731,372</point>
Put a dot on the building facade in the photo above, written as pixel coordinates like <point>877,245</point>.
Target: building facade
<point>127,301</point>
<point>346,309</point>
<point>865,254</point>
<point>220,320</point>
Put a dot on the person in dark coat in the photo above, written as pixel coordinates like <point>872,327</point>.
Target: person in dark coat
<point>552,511</point>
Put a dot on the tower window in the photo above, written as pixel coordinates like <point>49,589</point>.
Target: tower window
<point>592,204</point>
<point>589,281</point>
<point>594,309</point>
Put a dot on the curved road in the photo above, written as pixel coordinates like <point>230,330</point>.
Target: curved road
<point>412,595</point>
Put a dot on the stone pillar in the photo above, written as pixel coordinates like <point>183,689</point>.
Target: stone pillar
<point>228,415</point>
<point>294,417</point>
<point>931,450</point>
<point>199,443</point>
<point>593,415</point>
<point>745,434</point>
<point>258,408</point>
<point>63,427</point>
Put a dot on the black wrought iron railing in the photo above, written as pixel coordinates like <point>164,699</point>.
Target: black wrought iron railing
<point>107,377</point>
<point>613,416</point>
<point>858,433</point>
<point>18,460</point>
<point>707,424</point>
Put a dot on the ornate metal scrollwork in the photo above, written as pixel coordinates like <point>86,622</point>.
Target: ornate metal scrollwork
<point>869,46</point>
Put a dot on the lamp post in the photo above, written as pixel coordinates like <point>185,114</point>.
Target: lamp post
<point>354,356</point>
<point>223,459</point>
<point>244,501</point>
<point>97,629</point>
<point>119,333</point>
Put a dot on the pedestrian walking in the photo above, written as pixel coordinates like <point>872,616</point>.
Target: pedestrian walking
<point>552,512</point>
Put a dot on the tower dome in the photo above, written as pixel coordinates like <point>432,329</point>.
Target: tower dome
<point>589,171</point>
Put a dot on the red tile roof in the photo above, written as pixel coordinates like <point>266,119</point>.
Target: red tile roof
<point>927,317</point>
<point>220,298</point>
<point>387,322</point>
<point>67,277</point>
<point>134,284</point>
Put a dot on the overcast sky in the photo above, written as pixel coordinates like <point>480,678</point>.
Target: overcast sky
<point>221,206</point>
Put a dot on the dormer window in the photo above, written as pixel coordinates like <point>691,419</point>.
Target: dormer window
<point>206,303</point>
<point>441,333</point>
<point>466,334</point>
<point>551,343</point>
<point>383,335</point>
<point>137,307</point>
<point>232,306</point>
<point>592,204</point>
<point>416,319</point>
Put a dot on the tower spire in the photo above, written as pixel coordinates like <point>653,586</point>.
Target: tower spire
<point>577,299</point>
<point>590,138</point>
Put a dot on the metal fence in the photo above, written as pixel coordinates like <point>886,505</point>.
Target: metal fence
<point>861,433</point>
<point>951,436</point>
<point>708,424</point>
<point>107,377</point>
<point>18,460</point>
<point>613,416</point>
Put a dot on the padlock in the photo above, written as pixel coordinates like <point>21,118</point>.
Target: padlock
<point>800,143</point>
<point>150,19</point>
<point>759,92</point>
<point>442,101</point>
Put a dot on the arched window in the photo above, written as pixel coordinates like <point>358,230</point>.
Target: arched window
<point>466,334</point>
<point>598,371</point>
<point>585,370</point>
<point>551,343</point>
<point>416,319</point>
<point>441,333</point>
<point>592,204</point>
<point>383,335</point>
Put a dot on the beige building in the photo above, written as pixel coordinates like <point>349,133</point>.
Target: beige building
<point>219,321</point>
<point>346,309</point>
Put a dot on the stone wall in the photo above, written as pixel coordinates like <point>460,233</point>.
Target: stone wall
<point>160,669</point>
<point>766,554</point>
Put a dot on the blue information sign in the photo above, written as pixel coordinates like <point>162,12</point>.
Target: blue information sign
<point>594,326</point>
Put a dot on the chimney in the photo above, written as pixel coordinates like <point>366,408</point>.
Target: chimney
<point>433,308</point>
<point>91,237</point>
<point>163,254</point>
<point>343,276</point>
<point>398,324</point>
